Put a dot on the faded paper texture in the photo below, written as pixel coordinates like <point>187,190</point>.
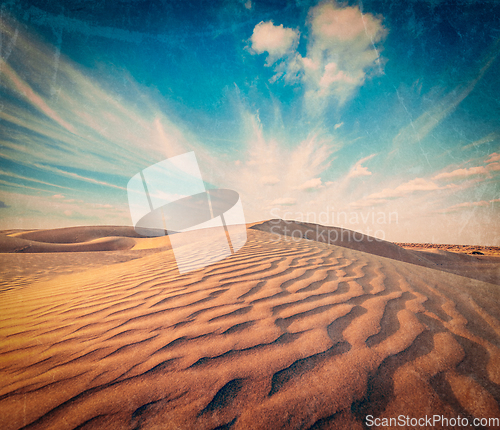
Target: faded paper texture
<point>246,214</point>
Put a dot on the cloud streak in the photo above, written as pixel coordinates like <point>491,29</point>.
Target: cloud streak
<point>74,115</point>
<point>417,130</point>
<point>466,205</point>
<point>491,165</point>
<point>25,178</point>
<point>403,190</point>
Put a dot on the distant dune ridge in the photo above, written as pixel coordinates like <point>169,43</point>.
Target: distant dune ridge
<point>287,333</point>
<point>482,268</point>
<point>69,239</point>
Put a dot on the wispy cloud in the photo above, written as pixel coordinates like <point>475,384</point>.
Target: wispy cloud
<point>87,131</point>
<point>33,98</point>
<point>21,186</point>
<point>77,176</point>
<point>25,178</point>
<point>284,201</point>
<point>403,190</point>
<point>419,128</point>
<point>493,157</point>
<point>462,173</point>
<point>359,170</point>
<point>311,185</point>
<point>45,211</point>
<point>491,165</point>
<point>487,139</point>
<point>273,169</point>
<point>72,122</point>
<point>465,205</point>
<point>418,184</point>
<point>269,180</point>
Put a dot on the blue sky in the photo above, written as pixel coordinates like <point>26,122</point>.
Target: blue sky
<point>340,113</point>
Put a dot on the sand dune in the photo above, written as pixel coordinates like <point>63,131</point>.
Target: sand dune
<point>340,237</point>
<point>461,249</point>
<point>24,260</point>
<point>77,234</point>
<point>16,244</point>
<point>483,268</point>
<point>283,334</point>
<point>78,239</point>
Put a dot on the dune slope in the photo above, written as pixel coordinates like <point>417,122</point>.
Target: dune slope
<point>483,268</point>
<point>283,334</point>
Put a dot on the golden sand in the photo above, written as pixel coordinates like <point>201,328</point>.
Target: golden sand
<point>284,334</point>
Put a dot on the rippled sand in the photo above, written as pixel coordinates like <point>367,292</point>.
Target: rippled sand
<point>283,334</point>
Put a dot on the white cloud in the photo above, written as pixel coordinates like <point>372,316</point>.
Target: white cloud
<point>276,40</point>
<point>284,201</point>
<point>269,180</point>
<point>341,53</point>
<point>283,165</point>
<point>367,202</point>
<point>493,157</point>
<point>464,205</point>
<point>331,23</point>
<point>471,171</point>
<point>418,184</point>
<point>405,189</point>
<point>343,46</point>
<point>332,74</point>
<point>290,69</point>
<point>311,184</point>
<point>462,173</point>
<point>360,170</point>
<point>309,64</point>
<point>58,196</point>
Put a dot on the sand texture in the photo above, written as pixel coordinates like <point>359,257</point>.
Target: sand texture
<point>285,334</point>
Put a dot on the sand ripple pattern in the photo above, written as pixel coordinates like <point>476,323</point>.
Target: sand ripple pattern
<point>282,335</point>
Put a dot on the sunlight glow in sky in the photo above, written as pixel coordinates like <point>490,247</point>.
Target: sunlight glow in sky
<point>330,112</point>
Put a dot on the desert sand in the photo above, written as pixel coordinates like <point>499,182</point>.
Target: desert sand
<point>99,330</point>
<point>461,249</point>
